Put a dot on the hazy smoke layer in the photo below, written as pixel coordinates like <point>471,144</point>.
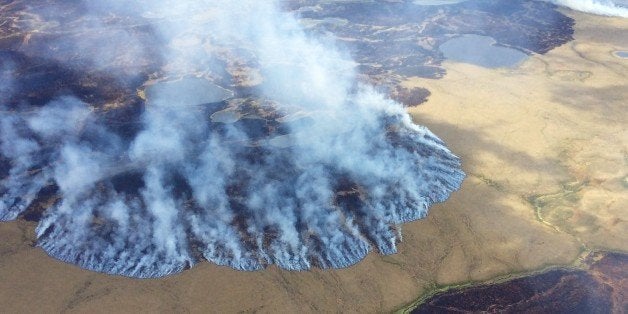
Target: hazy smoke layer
<point>323,193</point>
<point>600,7</point>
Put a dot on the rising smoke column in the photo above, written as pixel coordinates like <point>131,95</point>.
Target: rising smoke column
<point>353,170</point>
<point>599,7</point>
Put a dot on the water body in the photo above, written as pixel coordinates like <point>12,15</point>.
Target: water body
<point>281,141</point>
<point>482,51</point>
<point>623,54</point>
<point>437,2</point>
<point>226,116</point>
<point>187,91</point>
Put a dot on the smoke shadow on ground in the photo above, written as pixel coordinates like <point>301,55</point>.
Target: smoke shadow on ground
<point>596,34</point>
<point>605,102</point>
<point>468,143</point>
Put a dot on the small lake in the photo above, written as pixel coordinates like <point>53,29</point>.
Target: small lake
<point>482,51</point>
<point>623,54</point>
<point>437,2</point>
<point>226,116</point>
<point>187,91</point>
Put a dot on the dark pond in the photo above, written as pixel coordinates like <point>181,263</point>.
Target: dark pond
<point>482,51</point>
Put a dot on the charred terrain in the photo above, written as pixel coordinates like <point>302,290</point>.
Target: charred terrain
<point>600,287</point>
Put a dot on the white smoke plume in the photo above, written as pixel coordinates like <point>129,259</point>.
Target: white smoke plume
<point>323,193</point>
<point>599,7</point>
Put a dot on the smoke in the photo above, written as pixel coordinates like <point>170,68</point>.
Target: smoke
<point>18,154</point>
<point>600,7</point>
<point>314,168</point>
